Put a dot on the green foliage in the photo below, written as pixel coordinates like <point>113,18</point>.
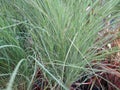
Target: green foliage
<point>57,35</point>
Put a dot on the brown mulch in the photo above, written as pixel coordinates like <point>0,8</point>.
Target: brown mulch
<point>106,79</point>
<point>40,82</point>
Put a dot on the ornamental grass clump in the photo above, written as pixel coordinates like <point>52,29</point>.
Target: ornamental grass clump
<point>53,38</point>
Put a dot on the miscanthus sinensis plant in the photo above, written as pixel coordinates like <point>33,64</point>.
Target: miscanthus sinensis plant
<point>57,36</point>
